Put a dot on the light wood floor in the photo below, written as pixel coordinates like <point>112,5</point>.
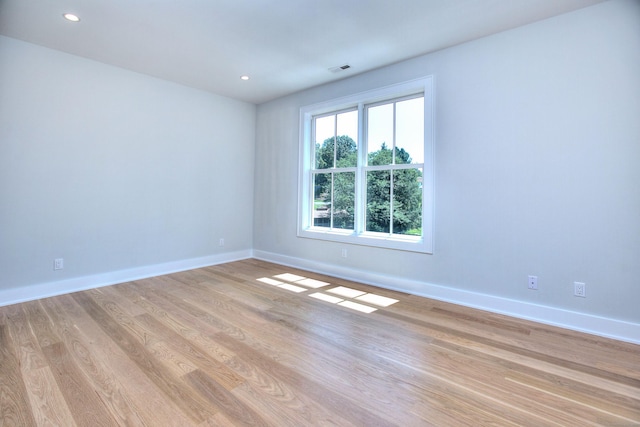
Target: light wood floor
<point>215,346</point>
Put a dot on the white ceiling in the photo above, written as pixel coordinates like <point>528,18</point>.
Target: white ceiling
<point>284,45</point>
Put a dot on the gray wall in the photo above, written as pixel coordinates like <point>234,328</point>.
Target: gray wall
<point>113,170</point>
<point>537,150</point>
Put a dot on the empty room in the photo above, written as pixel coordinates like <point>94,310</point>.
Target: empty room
<point>301,213</point>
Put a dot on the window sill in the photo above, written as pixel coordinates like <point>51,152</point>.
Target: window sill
<point>379,240</point>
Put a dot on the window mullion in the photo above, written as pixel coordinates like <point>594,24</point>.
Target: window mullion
<point>333,176</point>
<point>311,159</point>
<point>393,143</point>
<point>391,172</point>
<point>391,201</point>
<point>332,204</point>
<point>361,194</point>
<point>335,141</point>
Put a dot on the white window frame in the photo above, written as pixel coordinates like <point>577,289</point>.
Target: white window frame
<point>359,236</point>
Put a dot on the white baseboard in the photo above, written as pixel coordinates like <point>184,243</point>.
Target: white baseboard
<point>602,326</point>
<point>50,289</point>
<point>596,325</point>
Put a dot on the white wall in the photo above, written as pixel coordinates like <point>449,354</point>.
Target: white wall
<point>537,150</point>
<point>114,171</point>
<point>537,171</point>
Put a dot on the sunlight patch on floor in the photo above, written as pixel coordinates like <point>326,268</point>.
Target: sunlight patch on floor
<point>342,295</point>
<point>346,292</point>
<point>289,277</point>
<point>378,300</point>
<point>312,283</point>
<point>325,297</point>
<point>292,288</point>
<point>355,306</point>
<point>270,281</point>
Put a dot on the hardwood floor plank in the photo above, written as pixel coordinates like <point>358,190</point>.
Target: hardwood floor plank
<point>15,409</point>
<point>334,401</point>
<point>417,384</point>
<point>198,357</point>
<point>40,324</point>
<point>519,352</point>
<point>153,406</point>
<point>581,405</point>
<point>123,318</point>
<point>410,357</point>
<point>279,404</point>
<point>30,355</point>
<point>222,398</point>
<point>488,381</point>
<point>157,344</point>
<point>123,305</point>
<point>218,420</point>
<point>537,367</point>
<point>86,408</point>
<point>94,367</point>
<point>191,404</point>
<point>47,402</point>
<point>188,304</point>
<point>588,350</point>
<point>320,361</point>
<point>547,342</point>
<point>183,322</point>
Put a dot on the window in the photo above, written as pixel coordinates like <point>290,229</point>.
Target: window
<point>366,168</point>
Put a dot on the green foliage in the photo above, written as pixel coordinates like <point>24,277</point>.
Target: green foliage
<point>384,156</point>
<point>378,201</point>
<point>344,187</point>
<point>407,206</point>
<point>407,190</point>
<point>344,148</point>
<point>337,152</point>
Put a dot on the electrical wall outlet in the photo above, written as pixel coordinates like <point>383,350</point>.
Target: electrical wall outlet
<point>221,242</point>
<point>533,283</point>
<point>344,253</point>
<point>58,263</point>
<point>580,289</point>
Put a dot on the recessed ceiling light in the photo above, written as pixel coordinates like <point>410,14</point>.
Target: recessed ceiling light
<point>244,77</point>
<point>71,17</point>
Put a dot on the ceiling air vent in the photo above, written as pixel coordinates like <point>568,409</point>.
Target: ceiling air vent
<point>339,68</point>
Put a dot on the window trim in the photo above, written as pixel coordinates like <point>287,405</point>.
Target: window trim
<point>360,100</point>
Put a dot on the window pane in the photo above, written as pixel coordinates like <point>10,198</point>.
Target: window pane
<point>322,200</point>
<point>324,139</point>
<point>362,166</point>
<point>344,189</point>
<point>410,131</point>
<point>407,202</point>
<point>380,134</point>
<point>378,201</point>
<point>347,139</point>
